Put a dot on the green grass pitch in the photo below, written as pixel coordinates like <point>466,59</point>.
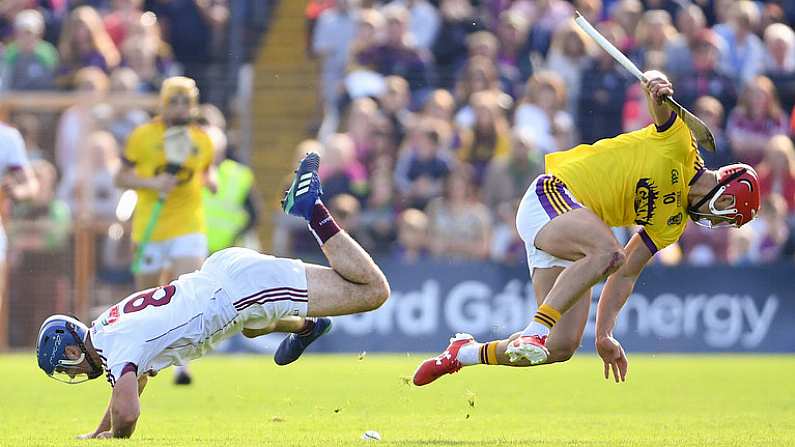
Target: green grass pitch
<point>331,400</point>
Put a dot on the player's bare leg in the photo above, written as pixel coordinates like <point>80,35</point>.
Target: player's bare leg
<point>580,236</point>
<point>352,284</point>
<point>463,351</point>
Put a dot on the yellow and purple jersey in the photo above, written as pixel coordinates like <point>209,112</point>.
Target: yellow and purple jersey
<point>183,210</point>
<point>641,177</point>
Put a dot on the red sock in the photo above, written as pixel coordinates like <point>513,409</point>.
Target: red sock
<point>322,224</point>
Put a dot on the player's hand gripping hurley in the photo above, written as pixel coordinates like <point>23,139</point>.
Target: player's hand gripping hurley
<point>177,147</point>
<point>700,130</point>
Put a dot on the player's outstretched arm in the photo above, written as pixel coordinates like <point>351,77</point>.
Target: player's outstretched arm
<point>614,294</point>
<point>125,406</point>
<point>657,87</point>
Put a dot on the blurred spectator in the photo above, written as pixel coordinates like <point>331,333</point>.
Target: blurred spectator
<point>627,14</point>
<point>364,121</point>
<point>331,41</point>
<point>780,62</point>
<point>90,187</point>
<point>507,246</point>
<point>568,57</point>
<point>396,55</point>
<point>678,52</point>
<point>549,14</point>
<point>440,105</point>
<point>412,237</point>
<point>508,176</point>
<point>379,215</point>
<point>709,110</point>
<point>124,15</point>
<point>78,120</point>
<point>771,230</point>
<point>460,226</point>
<point>144,51</point>
<point>84,43</point>
<point>347,212</point>
<point>703,247</point>
<point>542,112</point>
<point>8,11</point>
<point>671,7</point>
<point>745,51</point>
<point>341,172</point>
<point>29,62</point>
<point>29,127</point>
<point>602,92</point>
<point>653,34</point>
<point>314,9</point>
<point>362,81</point>
<point>511,34</point>
<point>41,224</point>
<point>450,48</point>
<point>395,106</point>
<point>706,79</point>
<point>592,10</point>
<point>124,81</point>
<point>757,117</point>
<point>195,29</point>
<point>738,252</point>
<point>424,21</point>
<point>488,137</point>
<point>423,165</point>
<point>213,123</point>
<point>777,170</point>
<point>479,75</point>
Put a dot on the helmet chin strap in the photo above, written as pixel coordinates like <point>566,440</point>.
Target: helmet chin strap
<point>96,370</point>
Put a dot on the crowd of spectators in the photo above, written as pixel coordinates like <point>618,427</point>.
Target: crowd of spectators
<point>437,114</point>
<point>97,49</point>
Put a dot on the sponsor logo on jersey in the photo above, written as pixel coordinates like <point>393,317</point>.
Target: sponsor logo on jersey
<point>675,220</point>
<point>113,316</point>
<point>674,176</point>
<point>646,194</point>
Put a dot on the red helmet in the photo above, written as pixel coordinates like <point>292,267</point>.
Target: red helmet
<point>738,181</point>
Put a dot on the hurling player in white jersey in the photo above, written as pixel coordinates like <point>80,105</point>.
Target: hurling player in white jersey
<point>18,183</point>
<point>235,290</point>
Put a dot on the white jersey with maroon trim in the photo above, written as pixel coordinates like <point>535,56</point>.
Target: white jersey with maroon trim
<point>154,329</point>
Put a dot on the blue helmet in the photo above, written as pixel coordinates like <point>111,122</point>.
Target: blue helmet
<point>56,333</point>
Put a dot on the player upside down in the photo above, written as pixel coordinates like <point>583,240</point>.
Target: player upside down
<point>235,290</point>
<point>652,177</point>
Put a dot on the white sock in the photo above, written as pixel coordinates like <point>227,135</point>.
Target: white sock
<point>536,328</point>
<point>469,354</point>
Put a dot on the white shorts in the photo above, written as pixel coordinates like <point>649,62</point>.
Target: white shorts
<point>159,255</point>
<point>546,199</point>
<point>262,288</point>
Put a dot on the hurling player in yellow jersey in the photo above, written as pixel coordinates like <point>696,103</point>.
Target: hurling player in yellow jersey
<point>178,244</point>
<point>652,177</point>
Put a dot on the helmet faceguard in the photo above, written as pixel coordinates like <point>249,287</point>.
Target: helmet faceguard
<point>740,183</point>
<point>56,333</point>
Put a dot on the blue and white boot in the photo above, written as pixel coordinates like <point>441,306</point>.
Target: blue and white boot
<point>299,200</point>
<point>294,345</point>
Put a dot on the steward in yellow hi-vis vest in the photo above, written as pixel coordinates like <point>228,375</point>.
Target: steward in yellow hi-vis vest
<point>225,210</point>
<point>654,178</point>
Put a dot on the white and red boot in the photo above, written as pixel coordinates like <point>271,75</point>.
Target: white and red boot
<point>445,363</point>
<point>529,347</point>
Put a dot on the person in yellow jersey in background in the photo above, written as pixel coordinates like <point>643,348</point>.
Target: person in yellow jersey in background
<point>653,177</point>
<point>178,244</point>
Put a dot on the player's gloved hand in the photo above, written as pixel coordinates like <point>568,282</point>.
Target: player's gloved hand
<point>164,183</point>
<point>658,85</point>
<point>613,356</point>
